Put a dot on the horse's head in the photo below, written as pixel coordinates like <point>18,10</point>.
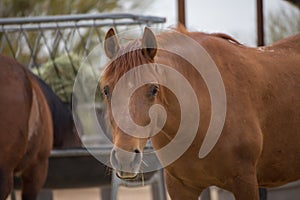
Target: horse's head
<point>130,99</point>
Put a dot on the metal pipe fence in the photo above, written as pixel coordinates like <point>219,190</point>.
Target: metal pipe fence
<point>62,40</point>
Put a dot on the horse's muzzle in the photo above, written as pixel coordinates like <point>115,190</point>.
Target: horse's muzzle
<point>126,175</point>
<point>127,164</point>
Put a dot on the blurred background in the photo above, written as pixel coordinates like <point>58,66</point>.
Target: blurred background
<point>237,18</point>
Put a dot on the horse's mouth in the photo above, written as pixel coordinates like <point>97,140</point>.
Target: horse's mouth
<point>126,175</point>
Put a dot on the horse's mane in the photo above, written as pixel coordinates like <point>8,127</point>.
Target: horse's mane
<point>61,114</point>
<point>128,57</point>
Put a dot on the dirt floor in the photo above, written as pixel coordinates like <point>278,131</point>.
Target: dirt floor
<point>94,194</point>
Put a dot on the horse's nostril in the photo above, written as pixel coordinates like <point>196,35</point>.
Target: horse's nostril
<point>114,159</point>
<point>113,153</point>
<point>137,151</point>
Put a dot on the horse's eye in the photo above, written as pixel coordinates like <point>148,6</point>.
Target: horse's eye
<point>106,91</point>
<point>154,90</point>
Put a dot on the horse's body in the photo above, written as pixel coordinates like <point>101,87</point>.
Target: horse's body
<point>26,130</point>
<point>259,144</point>
<point>33,121</point>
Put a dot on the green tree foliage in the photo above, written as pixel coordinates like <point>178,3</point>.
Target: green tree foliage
<point>20,8</point>
<point>282,23</point>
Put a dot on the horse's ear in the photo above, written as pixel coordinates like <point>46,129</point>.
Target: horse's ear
<point>149,43</point>
<point>111,43</point>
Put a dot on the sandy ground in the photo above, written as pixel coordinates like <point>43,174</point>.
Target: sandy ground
<point>94,194</point>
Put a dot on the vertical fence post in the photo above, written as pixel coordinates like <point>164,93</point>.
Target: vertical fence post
<point>260,23</point>
<point>181,11</point>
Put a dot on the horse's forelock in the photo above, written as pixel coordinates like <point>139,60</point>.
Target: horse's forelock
<point>128,57</point>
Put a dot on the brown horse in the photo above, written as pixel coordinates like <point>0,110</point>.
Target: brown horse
<point>259,142</point>
<point>26,130</point>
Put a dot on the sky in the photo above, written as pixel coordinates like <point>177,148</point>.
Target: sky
<point>234,17</point>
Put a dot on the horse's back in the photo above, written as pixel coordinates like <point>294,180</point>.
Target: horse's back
<point>291,43</point>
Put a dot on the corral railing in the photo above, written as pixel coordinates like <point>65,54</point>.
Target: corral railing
<point>62,40</point>
<point>32,40</point>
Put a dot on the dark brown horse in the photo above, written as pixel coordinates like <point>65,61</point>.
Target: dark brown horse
<point>26,130</point>
<point>259,142</point>
<point>64,131</point>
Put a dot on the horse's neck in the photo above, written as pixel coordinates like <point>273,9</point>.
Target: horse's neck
<point>171,104</point>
